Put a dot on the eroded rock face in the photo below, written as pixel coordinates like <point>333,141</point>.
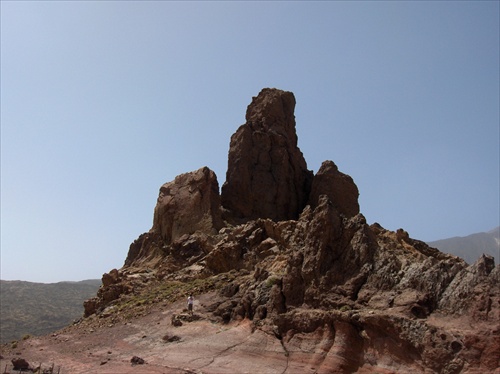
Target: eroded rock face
<point>188,204</point>
<point>267,175</point>
<point>339,187</point>
<point>361,294</point>
<point>475,291</point>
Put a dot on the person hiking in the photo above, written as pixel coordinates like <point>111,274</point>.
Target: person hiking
<point>190,304</point>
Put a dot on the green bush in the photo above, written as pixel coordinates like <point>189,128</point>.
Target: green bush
<point>272,280</point>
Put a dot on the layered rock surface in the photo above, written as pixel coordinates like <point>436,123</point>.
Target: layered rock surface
<point>328,291</point>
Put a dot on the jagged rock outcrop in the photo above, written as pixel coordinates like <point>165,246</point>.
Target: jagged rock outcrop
<point>267,175</point>
<point>337,292</point>
<point>188,204</point>
<point>146,250</point>
<point>339,187</point>
<point>474,291</point>
<point>374,295</point>
<point>113,286</point>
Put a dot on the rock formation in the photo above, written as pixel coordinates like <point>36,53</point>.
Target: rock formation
<point>267,175</point>
<point>190,203</point>
<point>339,187</point>
<point>329,288</point>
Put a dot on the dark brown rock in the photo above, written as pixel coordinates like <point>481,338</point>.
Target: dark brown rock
<point>188,204</point>
<point>145,249</point>
<point>20,364</point>
<point>339,187</point>
<point>110,278</point>
<point>267,175</point>
<point>90,306</point>
<point>137,360</point>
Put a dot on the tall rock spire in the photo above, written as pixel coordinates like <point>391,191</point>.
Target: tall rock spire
<point>267,174</point>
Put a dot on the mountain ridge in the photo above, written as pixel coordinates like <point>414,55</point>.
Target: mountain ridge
<point>31,308</point>
<point>472,246</point>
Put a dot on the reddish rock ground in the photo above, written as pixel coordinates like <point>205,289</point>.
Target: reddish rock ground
<point>201,345</point>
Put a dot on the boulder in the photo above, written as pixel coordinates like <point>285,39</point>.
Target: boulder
<point>137,360</point>
<point>110,278</point>
<point>20,364</point>
<point>90,306</point>
<point>267,175</point>
<point>188,204</point>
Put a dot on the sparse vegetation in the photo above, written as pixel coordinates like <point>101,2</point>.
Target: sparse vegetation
<point>30,309</point>
<point>167,291</point>
<point>272,280</point>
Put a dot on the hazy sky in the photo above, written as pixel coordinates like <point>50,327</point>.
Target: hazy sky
<point>103,102</point>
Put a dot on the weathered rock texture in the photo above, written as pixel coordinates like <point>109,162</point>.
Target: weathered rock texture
<point>316,281</point>
<point>339,187</point>
<point>188,204</point>
<point>267,175</point>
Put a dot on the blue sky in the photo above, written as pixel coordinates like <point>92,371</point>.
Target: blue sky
<point>103,102</point>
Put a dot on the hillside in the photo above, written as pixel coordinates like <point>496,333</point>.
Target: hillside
<point>471,247</point>
<point>28,308</point>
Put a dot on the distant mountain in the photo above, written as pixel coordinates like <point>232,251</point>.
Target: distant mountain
<point>471,247</point>
<point>28,308</point>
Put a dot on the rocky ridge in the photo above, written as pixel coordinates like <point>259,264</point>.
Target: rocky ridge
<point>289,255</point>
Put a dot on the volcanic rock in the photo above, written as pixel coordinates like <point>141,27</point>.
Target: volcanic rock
<point>110,278</point>
<point>145,249</point>
<point>328,292</point>
<point>135,360</point>
<point>188,204</point>
<point>20,364</point>
<point>339,187</point>
<point>317,275</point>
<point>474,291</point>
<point>267,175</point>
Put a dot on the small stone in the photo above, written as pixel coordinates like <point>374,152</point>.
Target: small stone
<point>20,364</point>
<point>137,360</point>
